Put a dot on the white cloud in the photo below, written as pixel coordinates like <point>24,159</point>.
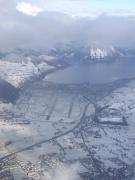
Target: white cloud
<point>28,9</point>
<point>67,172</point>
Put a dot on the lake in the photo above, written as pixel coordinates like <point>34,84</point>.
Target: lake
<point>96,73</point>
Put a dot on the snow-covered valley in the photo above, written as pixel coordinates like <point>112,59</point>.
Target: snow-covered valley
<point>54,126</point>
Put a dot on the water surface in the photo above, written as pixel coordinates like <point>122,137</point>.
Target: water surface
<point>98,73</point>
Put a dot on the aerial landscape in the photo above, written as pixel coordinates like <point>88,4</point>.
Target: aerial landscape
<point>67,90</point>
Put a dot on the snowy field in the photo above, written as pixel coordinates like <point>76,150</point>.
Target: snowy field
<point>58,131</point>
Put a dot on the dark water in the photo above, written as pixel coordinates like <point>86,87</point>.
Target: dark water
<point>98,73</point>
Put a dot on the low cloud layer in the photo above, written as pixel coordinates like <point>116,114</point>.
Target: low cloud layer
<point>27,25</point>
<point>67,173</point>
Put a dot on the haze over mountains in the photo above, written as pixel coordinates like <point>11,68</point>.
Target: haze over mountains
<point>49,28</point>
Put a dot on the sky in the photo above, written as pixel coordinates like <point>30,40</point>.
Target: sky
<point>80,7</point>
<point>40,23</point>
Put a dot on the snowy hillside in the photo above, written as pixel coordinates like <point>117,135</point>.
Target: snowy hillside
<point>101,53</point>
<point>17,73</point>
<point>17,69</point>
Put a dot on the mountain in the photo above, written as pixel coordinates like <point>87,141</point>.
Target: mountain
<point>20,66</point>
<point>101,53</point>
<point>77,51</point>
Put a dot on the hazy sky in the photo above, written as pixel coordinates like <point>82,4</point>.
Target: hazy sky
<point>82,7</point>
<point>35,23</point>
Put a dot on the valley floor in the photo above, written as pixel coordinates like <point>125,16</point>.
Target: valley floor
<point>71,131</point>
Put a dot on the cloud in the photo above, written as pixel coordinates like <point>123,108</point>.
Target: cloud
<point>123,11</point>
<point>67,172</point>
<point>50,27</point>
<point>28,9</point>
<point>92,8</point>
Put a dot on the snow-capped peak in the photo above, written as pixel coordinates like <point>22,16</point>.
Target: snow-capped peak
<point>101,53</point>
